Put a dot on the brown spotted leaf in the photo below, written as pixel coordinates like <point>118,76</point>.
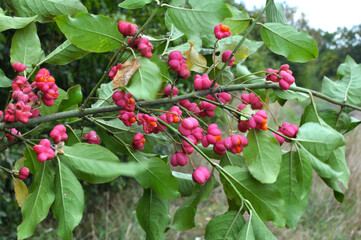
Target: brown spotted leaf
<point>124,74</point>
<point>21,191</point>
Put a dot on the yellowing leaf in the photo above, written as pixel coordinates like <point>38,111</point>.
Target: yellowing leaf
<point>241,53</point>
<point>21,191</point>
<point>124,74</point>
<point>195,61</point>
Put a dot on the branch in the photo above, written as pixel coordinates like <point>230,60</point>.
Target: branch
<point>174,100</point>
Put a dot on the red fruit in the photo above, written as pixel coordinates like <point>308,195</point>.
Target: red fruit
<point>201,174</point>
<point>127,29</point>
<point>92,138</point>
<point>44,150</point>
<point>226,55</point>
<point>24,173</point>
<point>221,31</point>
<point>18,67</point>
<point>59,133</point>
<point>138,141</point>
<point>179,158</point>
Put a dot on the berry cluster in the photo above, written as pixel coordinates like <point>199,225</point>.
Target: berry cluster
<point>12,138</point>
<point>114,70</point>
<point>222,31</point>
<point>178,63</point>
<point>92,138</point>
<point>27,96</point>
<point>287,129</point>
<point>143,45</point>
<point>138,141</point>
<point>283,76</point>
<point>24,173</point>
<point>127,29</point>
<point>124,100</point>
<point>226,55</point>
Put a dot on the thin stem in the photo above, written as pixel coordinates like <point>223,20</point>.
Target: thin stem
<point>239,44</point>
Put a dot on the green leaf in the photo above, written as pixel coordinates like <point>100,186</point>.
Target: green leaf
<point>263,155</point>
<point>7,22</point>
<point>45,110</point>
<point>25,47</point>
<point>73,137</point>
<point>153,215</point>
<point>294,182</point>
<point>93,33</point>
<point>104,93</point>
<point>159,177</point>
<point>290,95</point>
<point>184,217</point>
<point>69,201</point>
<point>37,204</point>
<point>147,81</point>
<point>255,229</point>
<point>96,164</point>
<point>348,87</point>
<point>338,163</point>
<point>126,134</point>
<point>74,96</point>
<point>185,183</point>
<point>31,160</point>
<point>330,117</point>
<point>46,10</point>
<point>239,20</point>
<point>4,81</point>
<point>225,226</point>
<point>265,198</point>
<point>247,48</point>
<point>200,19</point>
<point>319,140</point>
<point>64,54</point>
<point>285,40</point>
<point>133,4</point>
<point>275,12</point>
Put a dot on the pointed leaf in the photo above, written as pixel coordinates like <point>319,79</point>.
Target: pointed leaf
<point>4,81</point>
<point>153,215</point>
<point>285,40</point>
<point>185,182</point>
<point>159,177</point>
<point>348,87</point>
<point>7,22</point>
<point>74,96</point>
<point>64,54</point>
<point>275,12</point>
<point>319,140</point>
<point>21,191</point>
<point>225,226</point>
<point>96,164</point>
<point>184,217</point>
<point>147,81</point>
<point>255,229</point>
<point>133,4</point>
<point>294,182</point>
<point>263,155</point>
<point>94,33</point>
<point>31,160</point>
<point>46,10</point>
<point>265,198</point>
<point>25,47</point>
<point>69,201</point>
<point>37,204</point>
<point>239,20</point>
<point>200,19</point>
